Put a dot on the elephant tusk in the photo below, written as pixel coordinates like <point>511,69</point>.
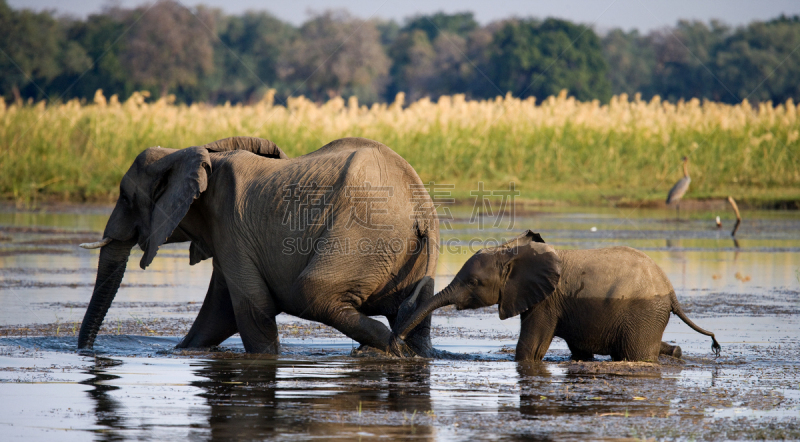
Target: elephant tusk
<point>96,245</point>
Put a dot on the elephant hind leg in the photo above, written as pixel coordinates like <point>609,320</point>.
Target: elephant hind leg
<point>636,351</point>
<point>640,331</point>
<point>670,350</point>
<point>216,321</point>
<point>356,325</point>
<point>537,328</point>
<point>337,303</point>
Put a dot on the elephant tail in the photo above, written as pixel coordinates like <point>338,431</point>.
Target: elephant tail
<point>428,275</point>
<point>676,308</point>
<point>427,242</point>
<point>430,257</point>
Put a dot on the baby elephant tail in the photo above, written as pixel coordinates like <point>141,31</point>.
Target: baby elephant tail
<point>676,308</point>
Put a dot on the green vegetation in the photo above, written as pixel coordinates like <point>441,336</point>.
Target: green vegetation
<point>559,149</point>
<point>567,56</point>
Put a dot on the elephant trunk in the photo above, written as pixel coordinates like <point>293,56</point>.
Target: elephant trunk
<point>447,296</point>
<point>110,269</point>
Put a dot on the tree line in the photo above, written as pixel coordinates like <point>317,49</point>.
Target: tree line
<point>204,55</point>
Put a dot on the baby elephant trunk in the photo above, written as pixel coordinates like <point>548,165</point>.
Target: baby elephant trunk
<point>443,298</point>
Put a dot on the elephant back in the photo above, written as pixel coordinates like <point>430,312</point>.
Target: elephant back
<point>258,146</point>
<point>363,160</point>
<point>613,273</point>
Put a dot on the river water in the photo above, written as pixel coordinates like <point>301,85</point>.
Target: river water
<point>746,291</point>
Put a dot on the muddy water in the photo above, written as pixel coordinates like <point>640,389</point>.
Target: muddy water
<point>136,387</point>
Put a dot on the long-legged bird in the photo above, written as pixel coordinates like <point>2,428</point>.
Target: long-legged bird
<point>676,193</point>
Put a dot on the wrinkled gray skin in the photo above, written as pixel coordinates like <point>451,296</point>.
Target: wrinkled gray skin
<point>234,200</point>
<point>613,301</point>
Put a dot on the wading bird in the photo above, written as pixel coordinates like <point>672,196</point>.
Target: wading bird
<point>676,193</point>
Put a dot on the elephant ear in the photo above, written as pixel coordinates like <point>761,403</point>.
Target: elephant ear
<point>523,239</point>
<point>197,252</point>
<point>532,274</point>
<point>180,178</point>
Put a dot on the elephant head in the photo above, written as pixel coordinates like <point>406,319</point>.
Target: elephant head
<point>154,196</point>
<point>516,275</point>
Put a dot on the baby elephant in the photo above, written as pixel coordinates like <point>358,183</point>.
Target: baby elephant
<point>613,301</point>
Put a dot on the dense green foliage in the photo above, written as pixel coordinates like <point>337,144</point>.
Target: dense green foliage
<point>539,59</point>
<point>246,57</point>
<point>35,51</point>
<point>757,62</point>
<point>205,55</point>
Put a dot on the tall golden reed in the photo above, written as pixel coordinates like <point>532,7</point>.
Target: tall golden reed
<point>557,149</point>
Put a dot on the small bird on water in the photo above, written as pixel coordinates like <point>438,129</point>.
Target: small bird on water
<point>679,189</point>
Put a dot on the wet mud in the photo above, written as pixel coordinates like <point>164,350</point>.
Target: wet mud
<point>136,385</point>
<point>780,302</point>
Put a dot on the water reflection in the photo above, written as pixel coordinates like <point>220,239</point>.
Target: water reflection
<point>241,397</point>
<point>266,398</point>
<point>107,409</point>
<point>583,391</point>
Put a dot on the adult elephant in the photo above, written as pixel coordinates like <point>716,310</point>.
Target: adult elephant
<point>335,236</point>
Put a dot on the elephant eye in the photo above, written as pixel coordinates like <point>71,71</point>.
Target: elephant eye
<point>473,281</point>
<point>127,201</point>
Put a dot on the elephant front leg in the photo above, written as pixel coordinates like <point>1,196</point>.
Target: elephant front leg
<point>254,310</point>
<point>216,321</point>
<point>257,326</point>
<point>537,328</point>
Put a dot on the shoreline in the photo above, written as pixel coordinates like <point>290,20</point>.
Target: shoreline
<point>53,205</point>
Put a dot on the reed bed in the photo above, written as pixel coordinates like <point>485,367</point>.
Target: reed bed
<point>558,149</point>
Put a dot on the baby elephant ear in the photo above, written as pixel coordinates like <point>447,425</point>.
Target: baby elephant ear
<point>523,239</point>
<point>535,237</point>
<point>532,273</point>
